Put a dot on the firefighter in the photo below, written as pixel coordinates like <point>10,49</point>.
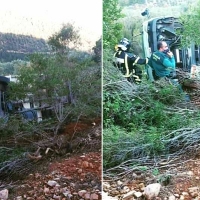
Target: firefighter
<point>126,61</point>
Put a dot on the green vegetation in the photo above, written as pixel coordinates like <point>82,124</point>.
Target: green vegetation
<point>142,123</point>
<point>137,118</point>
<point>15,47</point>
<point>190,20</point>
<point>66,39</point>
<point>112,28</point>
<point>66,81</point>
<point>155,3</point>
<point>17,50</point>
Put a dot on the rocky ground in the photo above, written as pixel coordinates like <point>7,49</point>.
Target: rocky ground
<point>75,175</point>
<point>175,183</point>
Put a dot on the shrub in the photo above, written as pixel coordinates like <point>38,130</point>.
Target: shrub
<point>137,117</point>
<point>98,51</point>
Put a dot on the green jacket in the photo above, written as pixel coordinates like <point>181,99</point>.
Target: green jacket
<point>162,63</point>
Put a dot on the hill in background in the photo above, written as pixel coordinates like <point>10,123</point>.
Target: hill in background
<point>14,46</point>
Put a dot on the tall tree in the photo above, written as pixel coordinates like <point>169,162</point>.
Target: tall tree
<point>68,37</point>
<point>190,20</point>
<point>112,28</point>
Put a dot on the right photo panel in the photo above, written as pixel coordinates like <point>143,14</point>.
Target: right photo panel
<point>151,99</point>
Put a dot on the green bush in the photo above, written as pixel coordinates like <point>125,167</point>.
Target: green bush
<point>144,107</point>
<point>137,117</point>
<point>133,145</point>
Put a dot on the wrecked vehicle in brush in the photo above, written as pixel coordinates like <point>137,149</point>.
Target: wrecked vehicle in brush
<point>168,29</point>
<point>27,109</point>
<point>8,107</point>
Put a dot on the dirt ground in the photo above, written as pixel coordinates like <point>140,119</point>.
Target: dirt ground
<point>180,180</point>
<point>74,175</point>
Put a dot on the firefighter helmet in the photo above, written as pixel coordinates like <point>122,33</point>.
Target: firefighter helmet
<point>124,44</point>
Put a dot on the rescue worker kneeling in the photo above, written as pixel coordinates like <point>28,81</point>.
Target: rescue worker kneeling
<point>126,61</point>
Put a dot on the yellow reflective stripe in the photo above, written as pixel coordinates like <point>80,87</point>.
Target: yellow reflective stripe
<point>136,60</point>
<point>126,66</point>
<point>116,53</point>
<point>136,78</point>
<point>127,69</point>
<point>116,47</point>
<point>126,76</point>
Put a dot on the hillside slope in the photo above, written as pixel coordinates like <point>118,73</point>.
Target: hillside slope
<point>13,47</point>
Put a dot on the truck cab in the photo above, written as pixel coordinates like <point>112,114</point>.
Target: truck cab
<point>168,29</point>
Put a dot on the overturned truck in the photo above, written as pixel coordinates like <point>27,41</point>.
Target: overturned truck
<point>168,29</point>
<point>9,107</point>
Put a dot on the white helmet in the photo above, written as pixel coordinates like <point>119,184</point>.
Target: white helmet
<point>124,44</point>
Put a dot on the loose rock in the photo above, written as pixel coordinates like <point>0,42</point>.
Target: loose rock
<point>4,194</point>
<point>152,190</point>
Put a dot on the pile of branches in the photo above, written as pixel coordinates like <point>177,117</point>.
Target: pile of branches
<point>186,80</point>
<point>183,145</point>
<point>16,169</point>
<point>88,141</point>
<point>46,145</point>
<point>191,85</point>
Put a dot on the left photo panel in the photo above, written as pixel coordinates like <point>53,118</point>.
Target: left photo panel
<point>51,100</point>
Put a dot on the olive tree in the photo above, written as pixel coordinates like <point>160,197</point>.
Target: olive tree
<point>67,38</point>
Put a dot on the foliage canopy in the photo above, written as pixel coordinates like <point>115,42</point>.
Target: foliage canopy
<point>112,28</point>
<point>67,38</point>
<point>190,21</point>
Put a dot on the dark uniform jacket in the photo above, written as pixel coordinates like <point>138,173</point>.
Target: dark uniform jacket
<point>162,64</point>
<point>126,63</point>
